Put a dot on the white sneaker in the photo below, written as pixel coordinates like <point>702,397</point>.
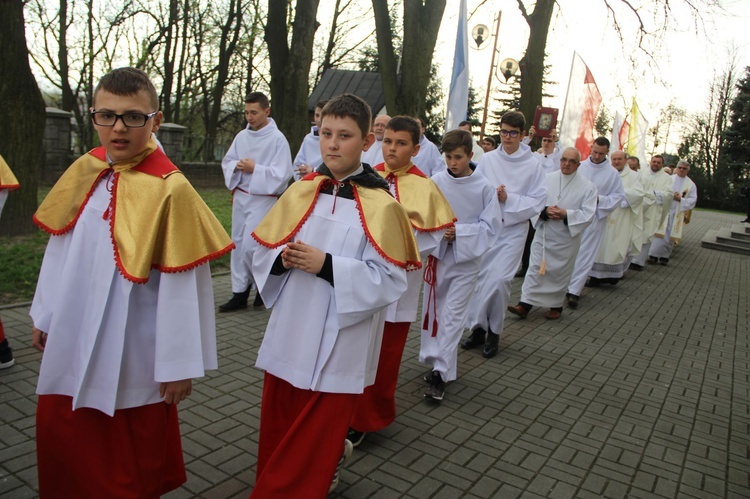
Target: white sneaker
<point>348,449</point>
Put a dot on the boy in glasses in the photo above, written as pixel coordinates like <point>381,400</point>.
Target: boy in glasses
<point>123,309</point>
<point>521,186</point>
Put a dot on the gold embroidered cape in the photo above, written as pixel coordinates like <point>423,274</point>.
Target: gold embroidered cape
<point>157,220</point>
<point>428,209</point>
<point>7,179</point>
<point>385,224</point>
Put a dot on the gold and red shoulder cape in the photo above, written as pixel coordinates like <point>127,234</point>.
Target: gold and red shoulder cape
<point>156,219</point>
<point>7,179</point>
<point>384,221</point>
<point>427,207</point>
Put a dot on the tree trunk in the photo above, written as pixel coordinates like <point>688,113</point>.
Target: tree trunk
<point>290,66</point>
<point>23,129</point>
<point>532,63</point>
<point>406,92</point>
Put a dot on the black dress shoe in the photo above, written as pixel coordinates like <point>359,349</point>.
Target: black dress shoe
<point>491,346</point>
<point>475,339</point>
<point>652,259</point>
<point>572,300</point>
<point>258,302</point>
<point>593,282</point>
<point>663,261</point>
<point>636,267</point>
<point>237,302</point>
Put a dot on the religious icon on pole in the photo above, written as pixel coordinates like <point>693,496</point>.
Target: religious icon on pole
<point>545,121</point>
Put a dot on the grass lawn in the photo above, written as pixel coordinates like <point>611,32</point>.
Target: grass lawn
<point>21,257</point>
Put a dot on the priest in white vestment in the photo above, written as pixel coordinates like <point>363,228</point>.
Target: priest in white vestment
<point>610,193</point>
<point>684,197</point>
<point>624,231</point>
<point>571,206</point>
<point>514,170</point>
<point>657,188</point>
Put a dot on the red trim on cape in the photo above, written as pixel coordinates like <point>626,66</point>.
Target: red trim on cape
<point>154,164</point>
<point>405,265</point>
<point>10,187</point>
<point>413,170</point>
<point>73,222</point>
<point>302,221</point>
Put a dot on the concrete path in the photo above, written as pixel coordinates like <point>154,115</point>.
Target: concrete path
<point>643,391</point>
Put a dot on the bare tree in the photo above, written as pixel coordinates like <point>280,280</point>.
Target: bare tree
<point>290,65</point>
<point>23,127</point>
<point>405,84</point>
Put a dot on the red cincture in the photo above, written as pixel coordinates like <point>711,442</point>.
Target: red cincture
<point>430,277</point>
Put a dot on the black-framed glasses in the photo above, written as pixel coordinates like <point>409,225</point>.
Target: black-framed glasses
<point>130,120</point>
<point>510,133</point>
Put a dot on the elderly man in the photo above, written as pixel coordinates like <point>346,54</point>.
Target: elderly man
<point>374,155</point>
<point>610,193</point>
<point>657,188</point>
<point>571,206</point>
<point>669,234</point>
<point>624,231</point>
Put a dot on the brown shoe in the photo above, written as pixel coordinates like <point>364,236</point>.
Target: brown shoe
<point>552,315</point>
<point>518,310</point>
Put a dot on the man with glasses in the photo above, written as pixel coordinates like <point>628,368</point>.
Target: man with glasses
<point>571,206</point>
<point>514,170</point>
<point>669,234</point>
<point>610,194</point>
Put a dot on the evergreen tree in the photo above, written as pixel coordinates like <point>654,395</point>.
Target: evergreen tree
<point>737,136</point>
<point>510,99</point>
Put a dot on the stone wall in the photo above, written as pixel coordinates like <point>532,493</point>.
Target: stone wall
<point>57,144</point>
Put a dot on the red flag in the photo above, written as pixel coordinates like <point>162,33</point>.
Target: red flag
<point>581,107</point>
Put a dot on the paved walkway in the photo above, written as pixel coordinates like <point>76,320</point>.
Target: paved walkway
<point>644,391</point>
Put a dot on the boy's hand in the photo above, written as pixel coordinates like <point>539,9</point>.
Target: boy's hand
<point>299,255</point>
<point>532,132</point>
<point>450,234</point>
<point>174,392</point>
<point>502,196</point>
<point>38,339</point>
<point>303,169</point>
<point>246,165</point>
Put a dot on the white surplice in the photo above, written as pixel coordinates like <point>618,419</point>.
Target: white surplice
<point>657,198</point>
<point>112,342</point>
<point>670,233</point>
<point>526,186</point>
<point>254,193</point>
<point>428,159</point>
<point>624,231</point>
<point>556,242</point>
<point>474,201</point>
<point>309,152</point>
<point>609,195</point>
<point>322,337</point>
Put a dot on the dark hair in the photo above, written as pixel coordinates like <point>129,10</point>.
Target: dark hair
<point>258,98</point>
<point>514,119</point>
<point>127,82</point>
<point>455,139</point>
<point>405,124</point>
<point>637,160</point>
<point>602,141</point>
<point>491,140</point>
<point>320,104</point>
<point>350,106</point>
<point>464,123</point>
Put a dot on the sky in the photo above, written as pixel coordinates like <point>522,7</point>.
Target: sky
<point>687,58</point>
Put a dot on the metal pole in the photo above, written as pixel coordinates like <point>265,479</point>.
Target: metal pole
<point>489,80</point>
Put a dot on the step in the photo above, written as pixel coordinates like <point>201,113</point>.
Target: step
<point>709,241</point>
<point>741,231</point>
<point>729,236</point>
